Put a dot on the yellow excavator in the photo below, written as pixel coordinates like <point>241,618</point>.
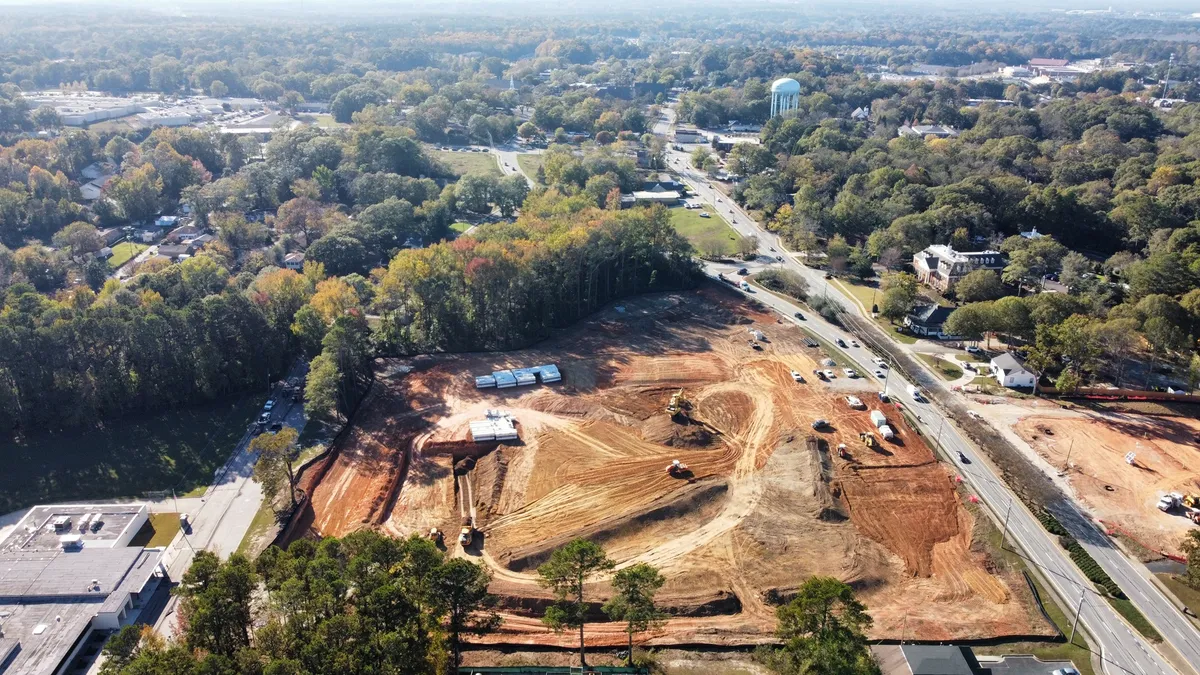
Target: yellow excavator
<point>868,440</point>
<point>678,406</point>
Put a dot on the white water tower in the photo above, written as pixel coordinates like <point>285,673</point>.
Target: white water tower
<point>785,96</point>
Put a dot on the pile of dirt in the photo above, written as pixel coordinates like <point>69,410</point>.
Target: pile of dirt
<point>677,432</point>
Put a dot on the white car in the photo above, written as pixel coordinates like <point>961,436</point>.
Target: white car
<point>973,349</point>
<point>797,376</point>
<point>829,374</point>
<point>1065,671</point>
<point>850,373</point>
<point>880,362</point>
<point>704,214</point>
<point>880,374</point>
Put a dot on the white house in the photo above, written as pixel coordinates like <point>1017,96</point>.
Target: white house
<point>1009,372</point>
<point>294,261</point>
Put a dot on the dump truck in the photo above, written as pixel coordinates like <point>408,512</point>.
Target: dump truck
<point>467,534</point>
<point>435,535</point>
<point>878,418</point>
<point>886,432</point>
<point>868,440</point>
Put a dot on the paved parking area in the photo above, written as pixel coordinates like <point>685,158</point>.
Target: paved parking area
<point>1022,665</point>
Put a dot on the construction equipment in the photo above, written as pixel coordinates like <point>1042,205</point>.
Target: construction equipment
<point>842,451</point>
<point>1194,516</point>
<point>869,440</point>
<point>1191,501</point>
<point>435,535</point>
<point>467,533</point>
<point>677,469</point>
<point>1169,501</point>
<point>678,406</point>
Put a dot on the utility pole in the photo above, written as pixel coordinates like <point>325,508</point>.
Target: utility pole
<point>1078,611</point>
<point>1004,532</point>
<point>1067,465</point>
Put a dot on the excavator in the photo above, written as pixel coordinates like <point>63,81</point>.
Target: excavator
<point>678,406</point>
<point>869,440</point>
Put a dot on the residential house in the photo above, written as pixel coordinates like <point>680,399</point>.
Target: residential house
<point>175,251</point>
<point>167,221</point>
<point>112,235</point>
<point>940,267</point>
<point>924,130</point>
<point>1010,372</point>
<point>1032,234</point>
<point>294,261</point>
<point>927,321</point>
<point>861,114</point>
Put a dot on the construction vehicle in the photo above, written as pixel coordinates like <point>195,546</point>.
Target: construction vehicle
<point>1191,501</point>
<point>1194,516</point>
<point>1169,501</point>
<point>678,406</point>
<point>842,451</point>
<point>466,534</point>
<point>677,469</point>
<point>869,440</point>
<point>435,535</point>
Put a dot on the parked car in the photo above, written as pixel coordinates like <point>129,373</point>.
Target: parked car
<point>264,418</point>
<point>820,424</point>
<point>884,397</point>
<point>269,405</point>
<point>850,373</point>
<point>276,427</point>
<point>974,349</point>
<point>704,214</point>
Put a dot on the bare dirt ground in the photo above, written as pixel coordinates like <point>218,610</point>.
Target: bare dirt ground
<point>769,503</point>
<point>1167,450</point>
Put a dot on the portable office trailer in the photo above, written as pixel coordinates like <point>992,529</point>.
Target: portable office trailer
<point>504,379</point>
<point>525,376</point>
<point>483,431</point>
<point>485,382</point>
<point>549,373</point>
<point>886,432</point>
<point>878,418</point>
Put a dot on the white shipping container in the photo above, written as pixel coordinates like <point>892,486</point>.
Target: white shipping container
<point>878,418</point>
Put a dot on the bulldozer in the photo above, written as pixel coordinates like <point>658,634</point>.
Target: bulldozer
<point>869,440</point>
<point>677,469</point>
<point>678,406</point>
<point>1191,501</point>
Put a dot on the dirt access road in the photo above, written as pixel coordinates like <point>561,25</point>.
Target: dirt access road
<point>769,502</point>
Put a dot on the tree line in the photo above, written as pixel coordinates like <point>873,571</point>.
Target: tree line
<point>368,603</point>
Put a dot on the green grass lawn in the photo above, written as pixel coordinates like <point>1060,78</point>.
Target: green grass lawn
<point>463,163</point>
<point>323,120</point>
<point>178,449</point>
<point>124,252</point>
<point>459,228</point>
<point>947,370</point>
<point>864,294</point>
<point>1189,596</point>
<point>530,163</point>
<point>708,235</point>
<point>159,530</point>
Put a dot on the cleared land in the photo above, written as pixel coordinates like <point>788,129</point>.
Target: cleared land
<point>769,502</point>
<point>530,162</point>
<point>1167,460</point>
<point>463,163</point>
<point>179,449</point>
<point>709,236</point>
<point>123,252</point>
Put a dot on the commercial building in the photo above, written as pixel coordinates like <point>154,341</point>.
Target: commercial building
<point>68,574</point>
<point>940,267</point>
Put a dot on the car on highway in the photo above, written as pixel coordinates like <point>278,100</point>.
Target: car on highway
<point>880,374</point>
<point>800,316</point>
<point>264,418</point>
<point>879,362</point>
<point>854,343</point>
<point>743,272</point>
<point>840,342</point>
<point>269,405</point>
<point>779,258</point>
<point>718,200</point>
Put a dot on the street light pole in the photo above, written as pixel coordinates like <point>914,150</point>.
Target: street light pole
<point>1067,465</point>
<point>1078,611</point>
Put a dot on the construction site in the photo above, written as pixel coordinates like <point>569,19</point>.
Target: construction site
<point>688,432</point>
<point>1138,473</point>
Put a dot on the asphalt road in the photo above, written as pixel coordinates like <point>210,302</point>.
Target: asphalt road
<point>228,506</point>
<point>1123,650</point>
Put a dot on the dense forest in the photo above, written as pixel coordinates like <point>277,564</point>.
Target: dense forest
<point>1089,163</point>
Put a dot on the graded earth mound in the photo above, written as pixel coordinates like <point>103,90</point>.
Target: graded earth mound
<point>765,501</point>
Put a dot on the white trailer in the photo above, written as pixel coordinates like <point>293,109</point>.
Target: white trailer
<point>886,432</point>
<point>878,418</point>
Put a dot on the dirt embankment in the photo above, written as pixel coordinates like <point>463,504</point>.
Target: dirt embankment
<point>763,509</point>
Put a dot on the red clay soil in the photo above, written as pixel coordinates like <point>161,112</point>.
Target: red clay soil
<point>765,508</point>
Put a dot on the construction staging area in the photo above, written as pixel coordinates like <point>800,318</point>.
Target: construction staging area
<point>1124,495</point>
<point>763,500</point>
